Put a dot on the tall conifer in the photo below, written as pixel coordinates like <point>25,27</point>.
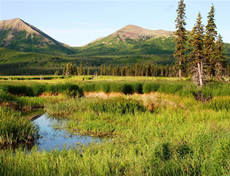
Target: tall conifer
<point>220,58</point>
<point>196,57</point>
<point>209,41</point>
<point>180,36</point>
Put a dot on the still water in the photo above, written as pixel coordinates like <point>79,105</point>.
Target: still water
<point>53,138</point>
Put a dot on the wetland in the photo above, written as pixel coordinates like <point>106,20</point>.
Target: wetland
<point>136,127</point>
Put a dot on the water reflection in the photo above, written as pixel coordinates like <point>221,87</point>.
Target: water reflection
<point>54,138</point>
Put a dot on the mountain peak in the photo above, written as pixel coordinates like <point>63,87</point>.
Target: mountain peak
<point>135,32</point>
<point>20,35</point>
<point>131,26</point>
<point>17,24</point>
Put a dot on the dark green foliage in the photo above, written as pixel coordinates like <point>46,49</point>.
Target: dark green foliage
<point>137,88</point>
<point>163,151</point>
<point>164,87</point>
<point>209,41</point>
<point>150,87</point>
<point>19,90</point>
<point>5,96</point>
<point>183,149</point>
<point>38,89</point>
<point>220,58</point>
<point>197,60</point>
<point>180,37</point>
<point>90,87</point>
<point>22,63</point>
<point>126,88</point>
<point>170,87</point>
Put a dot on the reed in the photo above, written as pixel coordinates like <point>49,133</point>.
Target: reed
<point>178,136</point>
<point>14,128</point>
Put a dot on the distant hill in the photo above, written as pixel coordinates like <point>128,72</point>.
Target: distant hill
<point>38,53</point>
<point>28,63</point>
<point>19,35</point>
<point>131,40</point>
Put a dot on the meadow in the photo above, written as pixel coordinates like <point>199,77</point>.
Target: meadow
<point>151,126</point>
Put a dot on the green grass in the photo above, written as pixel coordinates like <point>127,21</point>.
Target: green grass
<point>175,140</point>
<point>165,132</point>
<point>15,128</point>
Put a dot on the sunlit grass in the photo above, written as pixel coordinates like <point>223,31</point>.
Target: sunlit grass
<point>162,131</point>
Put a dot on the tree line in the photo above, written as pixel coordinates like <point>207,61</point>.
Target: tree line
<point>200,51</point>
<point>199,54</point>
<point>138,69</point>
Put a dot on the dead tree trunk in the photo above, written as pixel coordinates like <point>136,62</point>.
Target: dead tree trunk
<point>200,72</point>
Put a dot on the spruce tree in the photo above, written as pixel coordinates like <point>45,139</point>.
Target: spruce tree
<point>88,72</point>
<point>110,69</point>
<point>180,37</point>
<point>220,58</point>
<point>196,57</point>
<point>81,69</point>
<point>209,41</point>
<point>148,69</point>
<point>167,70</point>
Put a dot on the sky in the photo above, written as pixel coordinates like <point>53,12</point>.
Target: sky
<point>77,22</point>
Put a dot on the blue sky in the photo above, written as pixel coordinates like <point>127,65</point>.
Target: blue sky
<point>77,22</point>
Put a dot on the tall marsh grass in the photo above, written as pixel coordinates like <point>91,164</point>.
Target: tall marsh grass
<point>182,136</point>
<point>37,89</point>
<point>14,128</point>
<point>117,105</point>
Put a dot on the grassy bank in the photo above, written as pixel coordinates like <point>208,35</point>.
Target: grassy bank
<point>15,128</point>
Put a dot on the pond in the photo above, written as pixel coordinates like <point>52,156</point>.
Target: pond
<point>53,138</point>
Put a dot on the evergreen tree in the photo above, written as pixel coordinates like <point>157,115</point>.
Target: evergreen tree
<point>123,71</point>
<point>75,69</point>
<point>110,69</point>
<point>81,69</point>
<point>68,69</point>
<point>196,57</point>
<point>209,41</point>
<point>228,69</point>
<point>180,37</point>
<point>129,70</point>
<point>143,70</point>
<point>148,69</point>
<point>137,69</point>
<point>103,69</point>
<point>156,70</point>
<point>117,70</point>
<point>167,70</point>
<point>220,58</point>
<point>162,71</point>
<point>88,72</point>
<point>64,70</point>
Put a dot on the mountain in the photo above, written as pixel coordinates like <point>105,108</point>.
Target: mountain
<point>19,35</point>
<point>131,40</point>
<point>137,33</point>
